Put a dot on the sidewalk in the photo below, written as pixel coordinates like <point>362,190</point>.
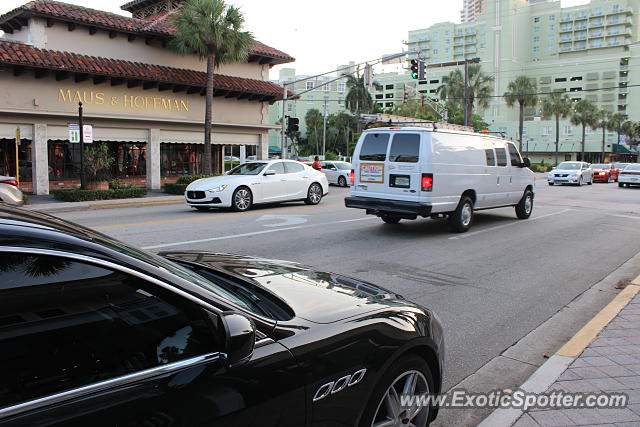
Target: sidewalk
<point>594,360</point>
<point>48,204</point>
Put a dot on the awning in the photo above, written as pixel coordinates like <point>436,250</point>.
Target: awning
<point>623,149</point>
<point>61,133</point>
<point>8,131</point>
<point>217,138</point>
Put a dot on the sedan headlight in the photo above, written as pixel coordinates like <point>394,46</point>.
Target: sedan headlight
<point>218,189</point>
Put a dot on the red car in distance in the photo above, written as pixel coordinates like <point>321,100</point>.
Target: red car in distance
<point>604,172</point>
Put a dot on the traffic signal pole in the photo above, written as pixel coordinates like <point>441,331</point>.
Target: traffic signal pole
<point>466,92</point>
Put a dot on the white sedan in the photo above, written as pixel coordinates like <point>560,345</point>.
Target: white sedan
<point>337,172</point>
<point>576,173</point>
<point>258,182</point>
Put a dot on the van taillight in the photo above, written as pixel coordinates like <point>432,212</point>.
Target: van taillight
<point>352,176</point>
<point>427,182</point>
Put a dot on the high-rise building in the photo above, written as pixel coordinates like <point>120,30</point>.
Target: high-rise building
<point>471,9</point>
<point>590,51</point>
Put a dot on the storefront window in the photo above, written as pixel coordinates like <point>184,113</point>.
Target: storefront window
<point>64,160</point>
<point>180,159</point>
<point>130,159</point>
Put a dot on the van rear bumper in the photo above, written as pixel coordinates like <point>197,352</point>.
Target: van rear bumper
<point>408,210</point>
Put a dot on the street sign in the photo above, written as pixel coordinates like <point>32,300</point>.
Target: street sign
<point>74,133</point>
<point>87,134</point>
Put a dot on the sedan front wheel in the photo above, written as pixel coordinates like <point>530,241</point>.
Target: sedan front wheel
<point>242,199</point>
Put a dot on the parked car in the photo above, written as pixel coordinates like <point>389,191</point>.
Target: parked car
<point>337,172</point>
<point>604,172</point>
<point>620,166</point>
<point>9,191</point>
<point>630,175</point>
<point>575,173</point>
<point>258,182</point>
<point>406,173</point>
<point>98,333</point>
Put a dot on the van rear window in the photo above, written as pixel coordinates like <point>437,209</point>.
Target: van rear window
<point>374,147</point>
<point>405,148</point>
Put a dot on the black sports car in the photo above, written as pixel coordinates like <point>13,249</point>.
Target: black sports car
<point>94,332</point>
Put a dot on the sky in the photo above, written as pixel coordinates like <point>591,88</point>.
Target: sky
<point>323,35</point>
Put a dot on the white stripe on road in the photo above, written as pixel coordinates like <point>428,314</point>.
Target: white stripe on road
<point>254,233</point>
<point>626,216</point>
<point>463,236</point>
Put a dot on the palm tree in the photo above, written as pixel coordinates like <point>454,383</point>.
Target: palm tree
<point>631,130</point>
<point>615,122</point>
<point>358,99</point>
<point>478,90</point>
<point>314,122</point>
<point>523,91</point>
<point>603,121</point>
<point>585,113</point>
<point>556,105</point>
<point>344,123</point>
<point>212,30</point>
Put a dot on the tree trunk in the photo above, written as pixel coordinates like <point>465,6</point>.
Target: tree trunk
<point>603,142</point>
<point>584,127</point>
<point>208,112</point>
<point>557,137</point>
<point>521,125</point>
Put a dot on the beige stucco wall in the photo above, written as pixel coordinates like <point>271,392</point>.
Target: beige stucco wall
<point>46,95</point>
<point>58,37</point>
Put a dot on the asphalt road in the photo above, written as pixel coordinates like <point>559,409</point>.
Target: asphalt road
<point>491,286</point>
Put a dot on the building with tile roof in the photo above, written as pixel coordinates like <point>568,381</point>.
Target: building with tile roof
<point>143,100</point>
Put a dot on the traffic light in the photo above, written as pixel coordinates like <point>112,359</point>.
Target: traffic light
<point>414,68</point>
<point>293,125</point>
<point>422,70</point>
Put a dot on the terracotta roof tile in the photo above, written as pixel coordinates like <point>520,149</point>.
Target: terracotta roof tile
<point>18,54</point>
<point>159,26</point>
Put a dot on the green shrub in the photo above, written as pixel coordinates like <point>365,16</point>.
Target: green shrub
<point>176,188</point>
<point>116,184</point>
<point>188,179</point>
<point>78,195</point>
<point>538,167</point>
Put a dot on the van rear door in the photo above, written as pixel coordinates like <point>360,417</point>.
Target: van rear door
<point>404,172</point>
<point>370,165</point>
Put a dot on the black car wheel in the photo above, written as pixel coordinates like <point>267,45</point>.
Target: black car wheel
<point>314,195</point>
<point>551,183</point>
<point>390,219</point>
<point>525,206</point>
<point>620,184</point>
<point>460,220</point>
<point>410,375</point>
<point>342,181</point>
<point>242,199</point>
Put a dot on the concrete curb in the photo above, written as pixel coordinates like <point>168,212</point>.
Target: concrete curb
<point>52,208</point>
<point>551,370</point>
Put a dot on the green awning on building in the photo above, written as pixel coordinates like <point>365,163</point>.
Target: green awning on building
<point>622,149</point>
<point>273,149</point>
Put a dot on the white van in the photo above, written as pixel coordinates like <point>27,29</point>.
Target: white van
<point>407,172</point>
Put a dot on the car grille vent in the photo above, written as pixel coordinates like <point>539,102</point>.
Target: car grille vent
<point>194,195</point>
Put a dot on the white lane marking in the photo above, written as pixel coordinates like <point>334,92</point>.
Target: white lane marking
<point>626,216</point>
<point>283,220</point>
<point>254,233</point>
<point>463,236</point>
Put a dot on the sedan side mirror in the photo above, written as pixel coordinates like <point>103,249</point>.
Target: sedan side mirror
<point>526,162</point>
<point>240,338</point>
<point>269,172</point>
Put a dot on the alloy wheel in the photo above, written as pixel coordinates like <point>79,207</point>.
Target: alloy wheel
<point>391,413</point>
<point>242,199</point>
<point>315,194</point>
<point>466,214</point>
<point>528,204</point>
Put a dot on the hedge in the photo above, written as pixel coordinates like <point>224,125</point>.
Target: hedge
<point>176,188</point>
<point>78,195</point>
<point>188,179</point>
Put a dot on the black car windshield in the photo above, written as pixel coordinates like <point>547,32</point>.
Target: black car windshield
<point>343,165</point>
<point>569,166</point>
<point>600,166</point>
<point>253,168</point>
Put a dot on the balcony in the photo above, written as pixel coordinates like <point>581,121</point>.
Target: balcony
<point>458,43</point>
<point>565,48</point>
<point>566,28</point>
<point>596,23</point>
<point>471,32</point>
<point>597,13</point>
<point>624,67</point>
<point>470,41</point>
<point>623,10</point>
<point>566,18</point>
<point>624,79</point>
<point>623,90</point>
<point>622,102</point>
<point>627,21</point>
<point>577,47</point>
<point>567,38</point>
<point>595,34</point>
<point>470,50</point>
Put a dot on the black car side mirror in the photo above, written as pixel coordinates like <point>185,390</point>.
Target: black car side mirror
<point>526,162</point>
<point>240,337</point>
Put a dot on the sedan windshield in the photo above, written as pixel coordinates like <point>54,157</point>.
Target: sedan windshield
<point>343,165</point>
<point>632,168</point>
<point>248,169</point>
<point>569,166</point>
<point>600,166</point>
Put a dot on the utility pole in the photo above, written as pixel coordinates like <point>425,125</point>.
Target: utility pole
<point>466,92</point>
<point>324,131</point>
<point>283,145</point>
<point>83,180</point>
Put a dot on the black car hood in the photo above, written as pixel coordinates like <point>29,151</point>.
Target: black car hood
<point>313,295</point>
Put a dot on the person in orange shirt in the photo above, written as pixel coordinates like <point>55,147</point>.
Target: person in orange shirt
<point>316,164</point>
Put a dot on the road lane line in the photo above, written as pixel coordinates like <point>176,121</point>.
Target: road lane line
<point>253,233</point>
<point>473,233</point>
<point>625,216</point>
<point>205,218</point>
